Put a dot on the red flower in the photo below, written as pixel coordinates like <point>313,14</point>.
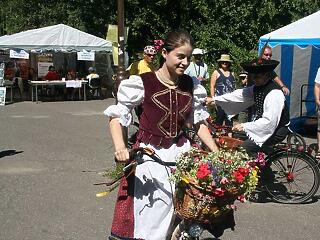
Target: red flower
<point>219,192</point>
<point>158,44</point>
<point>243,171</point>
<point>203,170</point>
<point>238,176</point>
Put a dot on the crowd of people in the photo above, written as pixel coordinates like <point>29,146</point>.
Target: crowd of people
<point>172,97</point>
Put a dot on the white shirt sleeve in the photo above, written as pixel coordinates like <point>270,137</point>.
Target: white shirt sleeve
<point>236,101</point>
<point>130,94</point>
<point>199,102</point>
<point>260,130</point>
<point>317,79</point>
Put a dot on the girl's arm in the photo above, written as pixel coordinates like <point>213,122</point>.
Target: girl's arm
<point>205,136</point>
<point>213,81</point>
<point>118,136</point>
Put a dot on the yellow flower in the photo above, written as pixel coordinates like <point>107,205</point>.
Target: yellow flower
<point>255,173</point>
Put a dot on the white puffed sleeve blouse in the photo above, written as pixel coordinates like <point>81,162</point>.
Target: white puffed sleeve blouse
<point>131,94</point>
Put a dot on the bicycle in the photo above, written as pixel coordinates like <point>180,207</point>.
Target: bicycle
<point>181,229</point>
<point>291,175</point>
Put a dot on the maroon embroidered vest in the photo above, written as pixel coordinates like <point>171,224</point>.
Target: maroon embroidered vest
<point>164,111</point>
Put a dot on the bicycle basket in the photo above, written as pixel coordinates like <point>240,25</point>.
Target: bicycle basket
<point>194,203</point>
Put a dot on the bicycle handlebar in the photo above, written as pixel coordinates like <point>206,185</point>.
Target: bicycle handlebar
<point>136,155</point>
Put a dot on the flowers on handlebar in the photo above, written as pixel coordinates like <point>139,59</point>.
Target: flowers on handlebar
<point>222,176</point>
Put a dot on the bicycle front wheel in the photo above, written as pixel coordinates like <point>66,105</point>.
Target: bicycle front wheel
<point>295,178</point>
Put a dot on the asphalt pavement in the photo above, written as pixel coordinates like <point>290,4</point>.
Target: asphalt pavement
<point>45,195</point>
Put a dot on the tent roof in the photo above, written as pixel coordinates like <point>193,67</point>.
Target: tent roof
<point>303,32</point>
<point>57,37</point>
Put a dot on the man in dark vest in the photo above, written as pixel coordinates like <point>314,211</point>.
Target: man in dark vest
<point>271,121</point>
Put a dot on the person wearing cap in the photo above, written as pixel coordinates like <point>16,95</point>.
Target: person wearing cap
<point>267,54</point>
<point>197,68</point>
<point>92,74</point>
<point>222,82</point>
<point>145,64</point>
<point>243,75</point>
<point>92,83</point>
<point>270,125</point>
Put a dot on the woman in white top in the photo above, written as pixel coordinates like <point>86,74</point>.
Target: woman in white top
<point>169,100</point>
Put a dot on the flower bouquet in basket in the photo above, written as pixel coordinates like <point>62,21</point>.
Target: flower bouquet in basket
<point>208,183</point>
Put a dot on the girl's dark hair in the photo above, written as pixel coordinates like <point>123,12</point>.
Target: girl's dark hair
<point>175,39</point>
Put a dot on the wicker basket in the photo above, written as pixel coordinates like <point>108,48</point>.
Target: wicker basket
<point>194,203</point>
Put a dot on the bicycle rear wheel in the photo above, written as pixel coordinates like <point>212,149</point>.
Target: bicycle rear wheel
<point>296,178</point>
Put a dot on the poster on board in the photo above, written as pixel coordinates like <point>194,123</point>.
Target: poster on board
<point>43,68</point>
<point>2,96</point>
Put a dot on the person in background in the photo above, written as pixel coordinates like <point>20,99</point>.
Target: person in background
<point>245,115</point>
<point>222,82</point>
<point>267,54</point>
<point>52,74</point>
<point>317,101</point>
<point>94,82</point>
<point>169,98</point>
<point>243,76</point>
<point>92,74</point>
<point>272,119</point>
<point>71,75</point>
<point>145,64</point>
<point>197,68</point>
<point>32,76</point>
<point>70,92</point>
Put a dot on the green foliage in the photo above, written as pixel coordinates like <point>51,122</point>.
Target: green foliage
<point>219,26</point>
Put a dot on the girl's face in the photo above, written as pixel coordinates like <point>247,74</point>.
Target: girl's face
<point>178,59</point>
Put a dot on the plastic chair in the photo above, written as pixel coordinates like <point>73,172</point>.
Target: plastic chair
<point>95,87</point>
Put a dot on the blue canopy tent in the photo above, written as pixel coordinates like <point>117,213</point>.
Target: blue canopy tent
<point>297,47</point>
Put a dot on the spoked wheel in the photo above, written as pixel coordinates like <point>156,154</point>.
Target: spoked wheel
<point>297,142</point>
<point>295,178</point>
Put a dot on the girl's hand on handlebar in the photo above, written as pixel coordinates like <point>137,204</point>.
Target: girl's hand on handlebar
<point>122,155</point>
<point>237,127</point>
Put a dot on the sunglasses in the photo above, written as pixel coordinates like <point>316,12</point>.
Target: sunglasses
<point>268,55</point>
<point>224,62</point>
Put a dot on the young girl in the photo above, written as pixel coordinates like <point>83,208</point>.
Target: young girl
<point>169,100</point>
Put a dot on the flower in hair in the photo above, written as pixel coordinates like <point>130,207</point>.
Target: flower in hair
<point>158,44</point>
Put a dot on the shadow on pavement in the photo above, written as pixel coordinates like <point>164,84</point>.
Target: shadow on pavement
<point>10,152</point>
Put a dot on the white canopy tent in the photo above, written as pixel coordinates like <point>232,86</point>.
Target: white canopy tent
<point>297,47</point>
<point>61,39</point>
<point>55,38</point>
